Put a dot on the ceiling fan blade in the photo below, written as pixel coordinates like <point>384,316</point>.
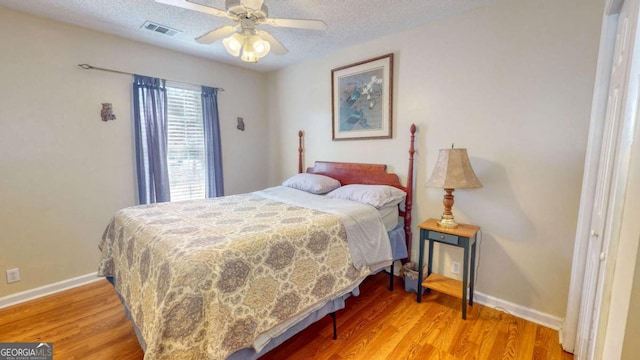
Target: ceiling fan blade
<point>252,4</point>
<point>216,34</point>
<point>190,5</point>
<point>297,23</point>
<point>276,46</point>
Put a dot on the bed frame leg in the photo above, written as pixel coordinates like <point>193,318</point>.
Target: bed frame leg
<point>335,328</point>
<point>391,276</point>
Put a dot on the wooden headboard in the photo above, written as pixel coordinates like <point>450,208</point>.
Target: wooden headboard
<point>369,174</point>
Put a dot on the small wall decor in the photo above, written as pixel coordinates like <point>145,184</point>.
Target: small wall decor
<point>361,97</point>
<point>107,112</point>
<point>240,125</point>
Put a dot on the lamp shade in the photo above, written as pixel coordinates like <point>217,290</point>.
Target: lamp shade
<point>259,46</point>
<point>453,171</point>
<point>233,44</point>
<point>248,55</point>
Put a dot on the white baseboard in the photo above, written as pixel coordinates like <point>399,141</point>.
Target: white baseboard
<point>560,338</point>
<point>39,292</point>
<point>520,311</point>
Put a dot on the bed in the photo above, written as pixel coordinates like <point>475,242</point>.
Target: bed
<point>233,277</point>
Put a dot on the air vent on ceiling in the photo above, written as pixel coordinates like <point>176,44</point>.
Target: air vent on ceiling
<point>159,28</point>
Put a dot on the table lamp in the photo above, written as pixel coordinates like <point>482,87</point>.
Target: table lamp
<point>453,171</point>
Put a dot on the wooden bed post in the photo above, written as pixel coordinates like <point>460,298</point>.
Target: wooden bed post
<point>409,201</point>
<point>300,135</point>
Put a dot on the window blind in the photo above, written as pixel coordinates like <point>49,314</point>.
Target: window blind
<point>185,149</point>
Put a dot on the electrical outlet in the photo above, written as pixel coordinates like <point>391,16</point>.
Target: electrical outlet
<point>13,275</point>
<point>455,267</point>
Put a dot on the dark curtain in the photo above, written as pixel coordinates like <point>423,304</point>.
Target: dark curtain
<point>150,117</point>
<point>213,148</point>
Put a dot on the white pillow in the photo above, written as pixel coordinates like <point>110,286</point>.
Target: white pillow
<point>313,183</point>
<point>377,196</point>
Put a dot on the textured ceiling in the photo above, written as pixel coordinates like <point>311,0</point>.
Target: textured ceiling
<point>348,22</point>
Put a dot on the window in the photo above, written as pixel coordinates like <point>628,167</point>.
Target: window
<point>186,160</point>
<point>178,148</point>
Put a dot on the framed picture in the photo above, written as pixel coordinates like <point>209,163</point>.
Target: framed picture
<point>361,96</point>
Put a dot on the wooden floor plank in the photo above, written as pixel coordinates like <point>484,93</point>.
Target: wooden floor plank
<point>88,322</point>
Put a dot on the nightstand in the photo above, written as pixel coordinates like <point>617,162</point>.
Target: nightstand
<point>463,236</point>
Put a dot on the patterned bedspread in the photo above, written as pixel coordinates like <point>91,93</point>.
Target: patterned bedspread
<point>202,279</point>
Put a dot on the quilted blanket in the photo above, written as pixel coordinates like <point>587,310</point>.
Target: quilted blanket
<point>202,279</point>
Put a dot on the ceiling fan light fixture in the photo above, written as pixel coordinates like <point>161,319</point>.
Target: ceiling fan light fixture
<point>234,44</point>
<point>249,43</point>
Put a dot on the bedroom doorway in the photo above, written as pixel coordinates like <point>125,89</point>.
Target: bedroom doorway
<point>602,276</point>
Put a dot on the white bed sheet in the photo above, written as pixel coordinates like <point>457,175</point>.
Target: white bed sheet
<point>389,215</point>
<point>366,234</point>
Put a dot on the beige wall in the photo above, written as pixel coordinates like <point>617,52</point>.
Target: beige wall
<point>64,172</point>
<point>512,82</point>
<point>619,314</point>
<point>623,299</point>
<point>631,348</point>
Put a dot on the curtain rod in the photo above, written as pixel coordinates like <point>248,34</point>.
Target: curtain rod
<point>91,67</point>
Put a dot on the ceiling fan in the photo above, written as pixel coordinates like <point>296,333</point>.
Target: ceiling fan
<point>244,39</point>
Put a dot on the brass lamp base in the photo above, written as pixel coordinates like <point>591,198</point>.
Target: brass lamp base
<point>447,222</point>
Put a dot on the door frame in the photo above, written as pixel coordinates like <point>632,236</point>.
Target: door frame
<point>596,301</point>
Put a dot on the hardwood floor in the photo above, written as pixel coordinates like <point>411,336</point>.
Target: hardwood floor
<point>88,323</point>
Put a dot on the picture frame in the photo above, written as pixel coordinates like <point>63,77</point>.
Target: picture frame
<point>361,99</point>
